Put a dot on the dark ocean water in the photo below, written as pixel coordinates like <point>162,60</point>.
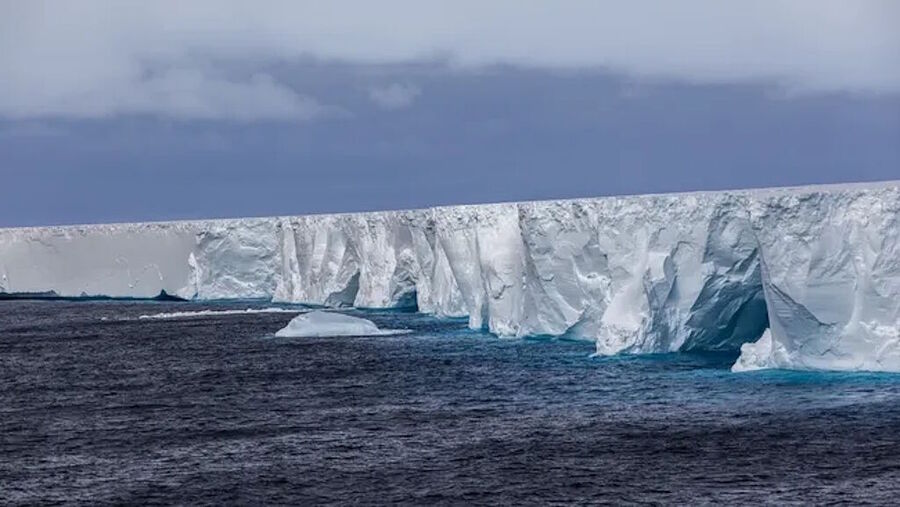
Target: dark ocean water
<point>97,406</point>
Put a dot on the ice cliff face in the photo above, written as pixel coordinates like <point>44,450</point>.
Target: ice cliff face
<point>803,278</point>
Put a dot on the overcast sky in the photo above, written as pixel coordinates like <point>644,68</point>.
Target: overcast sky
<point>118,110</point>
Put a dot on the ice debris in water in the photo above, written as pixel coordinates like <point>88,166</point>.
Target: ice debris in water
<point>211,313</point>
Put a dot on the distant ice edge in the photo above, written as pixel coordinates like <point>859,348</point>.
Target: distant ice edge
<point>816,267</point>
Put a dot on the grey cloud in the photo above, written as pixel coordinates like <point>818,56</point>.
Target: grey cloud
<point>180,93</point>
<point>503,134</point>
<point>395,95</point>
<point>32,130</point>
<point>93,58</point>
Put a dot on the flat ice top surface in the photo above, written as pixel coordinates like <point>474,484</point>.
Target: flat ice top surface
<point>827,187</point>
<point>322,324</point>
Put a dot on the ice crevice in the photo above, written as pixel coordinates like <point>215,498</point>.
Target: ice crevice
<point>805,277</point>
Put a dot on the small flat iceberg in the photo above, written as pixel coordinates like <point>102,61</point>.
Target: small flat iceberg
<point>320,324</point>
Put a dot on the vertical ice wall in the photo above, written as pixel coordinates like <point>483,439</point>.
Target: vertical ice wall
<point>129,260</point>
<point>818,267</point>
<point>831,275</point>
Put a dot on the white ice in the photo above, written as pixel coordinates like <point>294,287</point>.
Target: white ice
<point>322,324</point>
<point>211,313</point>
<point>818,266</point>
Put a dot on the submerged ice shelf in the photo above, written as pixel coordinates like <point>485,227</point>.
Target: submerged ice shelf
<point>805,277</point>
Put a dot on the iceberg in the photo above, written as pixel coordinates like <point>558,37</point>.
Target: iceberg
<point>811,275</point>
<point>322,324</point>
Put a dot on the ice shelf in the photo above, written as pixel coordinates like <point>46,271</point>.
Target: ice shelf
<point>816,267</point>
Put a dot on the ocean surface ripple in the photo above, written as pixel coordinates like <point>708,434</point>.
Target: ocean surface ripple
<point>98,406</point>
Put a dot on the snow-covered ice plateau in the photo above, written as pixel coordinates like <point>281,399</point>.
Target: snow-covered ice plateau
<point>801,278</point>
